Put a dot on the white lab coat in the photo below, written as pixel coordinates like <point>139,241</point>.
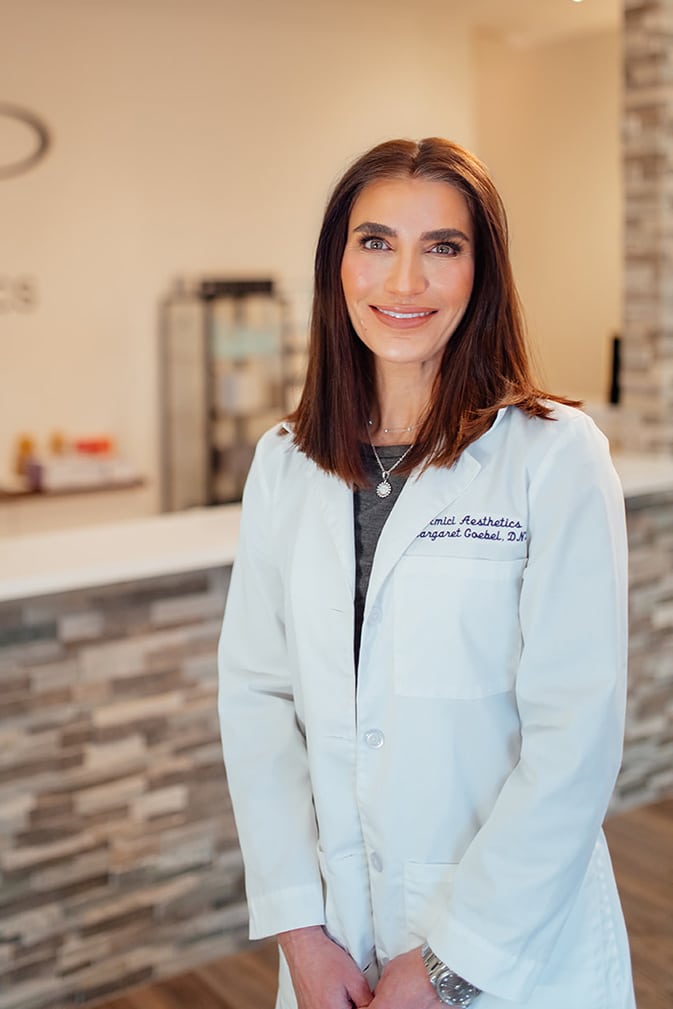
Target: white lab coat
<point>456,792</point>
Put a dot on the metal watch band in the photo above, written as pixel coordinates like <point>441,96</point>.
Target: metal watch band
<point>451,988</point>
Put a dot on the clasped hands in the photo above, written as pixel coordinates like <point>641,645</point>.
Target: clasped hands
<point>325,976</point>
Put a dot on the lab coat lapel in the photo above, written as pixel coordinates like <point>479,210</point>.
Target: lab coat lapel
<point>334,499</point>
<point>420,500</point>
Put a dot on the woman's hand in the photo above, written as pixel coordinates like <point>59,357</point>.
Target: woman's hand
<point>404,984</point>
<point>323,975</point>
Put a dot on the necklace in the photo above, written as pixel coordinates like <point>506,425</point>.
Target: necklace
<point>393,430</point>
<point>384,488</point>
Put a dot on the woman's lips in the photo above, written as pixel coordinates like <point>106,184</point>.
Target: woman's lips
<point>402,318</point>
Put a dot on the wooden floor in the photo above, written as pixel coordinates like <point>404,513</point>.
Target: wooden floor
<point>641,842</point>
<point>243,981</point>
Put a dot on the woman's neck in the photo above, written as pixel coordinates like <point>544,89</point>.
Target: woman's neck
<point>402,395</point>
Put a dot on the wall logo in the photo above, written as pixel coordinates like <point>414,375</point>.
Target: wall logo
<point>17,294</point>
<point>24,140</point>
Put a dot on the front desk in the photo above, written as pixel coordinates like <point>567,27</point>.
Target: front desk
<point>119,861</point>
<point>119,858</point>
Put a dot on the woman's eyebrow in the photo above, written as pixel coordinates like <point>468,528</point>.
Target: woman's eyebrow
<point>439,235</point>
<point>444,235</point>
<point>380,229</point>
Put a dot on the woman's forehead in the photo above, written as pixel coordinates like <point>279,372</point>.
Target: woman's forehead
<point>411,202</point>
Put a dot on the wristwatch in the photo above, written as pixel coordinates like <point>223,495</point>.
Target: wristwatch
<point>451,988</point>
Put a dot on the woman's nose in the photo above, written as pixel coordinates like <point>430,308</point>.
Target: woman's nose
<point>406,276</point>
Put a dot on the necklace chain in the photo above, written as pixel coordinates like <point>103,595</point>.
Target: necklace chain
<point>384,488</point>
<point>394,430</point>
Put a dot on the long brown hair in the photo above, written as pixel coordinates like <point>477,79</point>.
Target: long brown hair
<point>485,364</point>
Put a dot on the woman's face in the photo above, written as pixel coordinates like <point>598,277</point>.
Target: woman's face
<point>408,268</point>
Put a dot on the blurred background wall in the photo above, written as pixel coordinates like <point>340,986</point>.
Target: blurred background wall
<point>546,117</point>
<point>203,137</point>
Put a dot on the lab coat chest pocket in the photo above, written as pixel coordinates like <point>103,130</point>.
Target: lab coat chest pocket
<point>457,633</point>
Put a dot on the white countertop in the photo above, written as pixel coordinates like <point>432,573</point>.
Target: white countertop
<point>642,475</point>
<point>185,541</point>
<point>124,551</point>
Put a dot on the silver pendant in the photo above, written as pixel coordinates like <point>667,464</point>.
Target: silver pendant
<point>383,489</point>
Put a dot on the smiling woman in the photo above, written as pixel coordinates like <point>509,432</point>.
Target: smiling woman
<point>408,223</point>
<point>422,742</point>
<point>407,282</point>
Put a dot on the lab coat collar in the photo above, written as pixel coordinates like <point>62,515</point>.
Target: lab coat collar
<point>423,497</point>
<point>335,501</point>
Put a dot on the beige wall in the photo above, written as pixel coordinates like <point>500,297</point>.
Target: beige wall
<point>203,135</point>
<point>547,123</point>
<point>189,135</point>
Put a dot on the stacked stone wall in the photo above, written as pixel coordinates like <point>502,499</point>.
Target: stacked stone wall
<point>647,378</point>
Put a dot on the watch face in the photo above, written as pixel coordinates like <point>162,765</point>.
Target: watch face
<point>453,989</point>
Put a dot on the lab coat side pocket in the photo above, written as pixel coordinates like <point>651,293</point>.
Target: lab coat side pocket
<point>427,887</point>
<point>347,911</point>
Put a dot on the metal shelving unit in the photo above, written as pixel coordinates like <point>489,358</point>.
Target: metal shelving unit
<point>224,381</point>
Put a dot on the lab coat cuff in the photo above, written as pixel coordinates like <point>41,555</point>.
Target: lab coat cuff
<point>482,964</point>
<point>283,910</point>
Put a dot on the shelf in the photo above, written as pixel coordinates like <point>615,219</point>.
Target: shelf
<point>8,494</point>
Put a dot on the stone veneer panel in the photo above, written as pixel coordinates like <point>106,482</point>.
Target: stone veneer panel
<point>647,378</point>
<point>647,769</point>
<point>118,854</point>
<point>119,862</point>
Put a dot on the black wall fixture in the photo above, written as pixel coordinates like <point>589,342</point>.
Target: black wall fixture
<point>616,371</point>
<point>38,147</point>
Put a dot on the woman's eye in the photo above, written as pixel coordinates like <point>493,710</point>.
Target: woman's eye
<point>446,248</point>
<point>375,244</point>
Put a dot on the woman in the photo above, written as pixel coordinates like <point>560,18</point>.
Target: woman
<point>423,653</point>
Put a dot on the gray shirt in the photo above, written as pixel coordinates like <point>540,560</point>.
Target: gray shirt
<point>371,512</point>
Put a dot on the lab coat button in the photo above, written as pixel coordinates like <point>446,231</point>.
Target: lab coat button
<point>374,738</point>
<point>383,960</point>
<point>376,862</point>
<point>375,617</point>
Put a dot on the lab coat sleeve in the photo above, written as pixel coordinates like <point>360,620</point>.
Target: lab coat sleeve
<point>263,745</point>
<point>521,874</point>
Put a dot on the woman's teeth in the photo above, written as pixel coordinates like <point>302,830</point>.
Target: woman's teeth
<point>404,315</point>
